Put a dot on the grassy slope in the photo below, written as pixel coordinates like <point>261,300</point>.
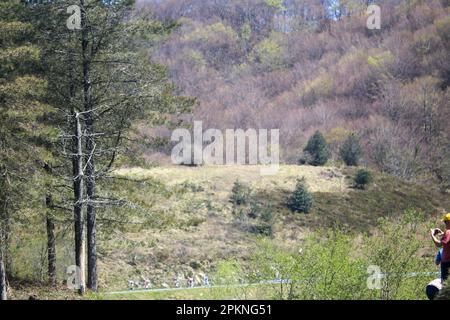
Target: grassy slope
<point>201,231</point>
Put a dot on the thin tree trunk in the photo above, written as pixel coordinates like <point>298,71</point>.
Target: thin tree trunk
<point>7,257</point>
<point>92,233</point>
<point>78,204</point>
<point>91,216</point>
<point>3,233</point>
<point>77,175</point>
<point>3,287</point>
<point>92,281</point>
<point>6,225</point>
<point>51,242</point>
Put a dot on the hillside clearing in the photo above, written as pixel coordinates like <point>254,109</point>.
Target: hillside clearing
<point>202,229</point>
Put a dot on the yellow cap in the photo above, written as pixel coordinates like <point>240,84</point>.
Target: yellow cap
<point>446,218</point>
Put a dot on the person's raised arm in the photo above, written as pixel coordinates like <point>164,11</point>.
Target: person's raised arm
<point>435,235</point>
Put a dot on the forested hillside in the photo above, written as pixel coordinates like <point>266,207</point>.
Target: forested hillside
<point>303,65</point>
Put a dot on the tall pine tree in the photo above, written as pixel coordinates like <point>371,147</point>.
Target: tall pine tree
<point>23,114</point>
<point>103,81</point>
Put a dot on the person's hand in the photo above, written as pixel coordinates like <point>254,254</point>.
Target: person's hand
<point>437,233</point>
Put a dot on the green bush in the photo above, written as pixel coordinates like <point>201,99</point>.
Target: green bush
<point>322,268</point>
<point>192,187</point>
<point>301,199</point>
<point>363,178</point>
<point>351,151</point>
<point>256,218</point>
<point>336,264</point>
<point>229,277</point>
<point>306,158</point>
<point>264,229</point>
<point>240,194</point>
<point>396,249</point>
<point>317,149</point>
<point>267,215</point>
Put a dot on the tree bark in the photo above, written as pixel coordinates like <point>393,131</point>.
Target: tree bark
<point>3,233</point>
<point>78,204</point>
<point>3,287</point>
<point>90,156</point>
<point>77,175</point>
<point>7,257</point>
<point>91,231</point>
<point>51,242</point>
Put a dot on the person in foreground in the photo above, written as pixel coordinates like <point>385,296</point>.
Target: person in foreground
<point>442,240</point>
<point>435,286</point>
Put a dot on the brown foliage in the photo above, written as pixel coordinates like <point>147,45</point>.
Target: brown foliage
<point>388,85</point>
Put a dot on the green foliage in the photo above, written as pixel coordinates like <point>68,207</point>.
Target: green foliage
<point>240,194</point>
<point>331,268</point>
<point>336,135</point>
<point>319,87</point>
<point>246,32</point>
<point>395,250</point>
<point>271,262</point>
<point>267,215</point>
<point>269,53</point>
<point>264,218</point>
<point>36,69</point>
<point>305,158</point>
<point>334,264</point>
<point>24,132</point>
<point>301,199</point>
<point>363,178</point>
<point>318,149</point>
<point>228,272</point>
<point>197,57</point>
<point>278,4</point>
<point>351,150</point>
<point>424,42</point>
<point>230,275</point>
<point>192,187</point>
<point>264,229</point>
<point>322,267</point>
<point>443,28</point>
<point>252,214</point>
<point>212,33</point>
<point>380,60</point>
<point>218,42</point>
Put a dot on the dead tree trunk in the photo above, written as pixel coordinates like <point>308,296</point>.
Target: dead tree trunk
<point>92,279</point>
<point>51,242</point>
<point>78,203</point>
<point>77,177</point>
